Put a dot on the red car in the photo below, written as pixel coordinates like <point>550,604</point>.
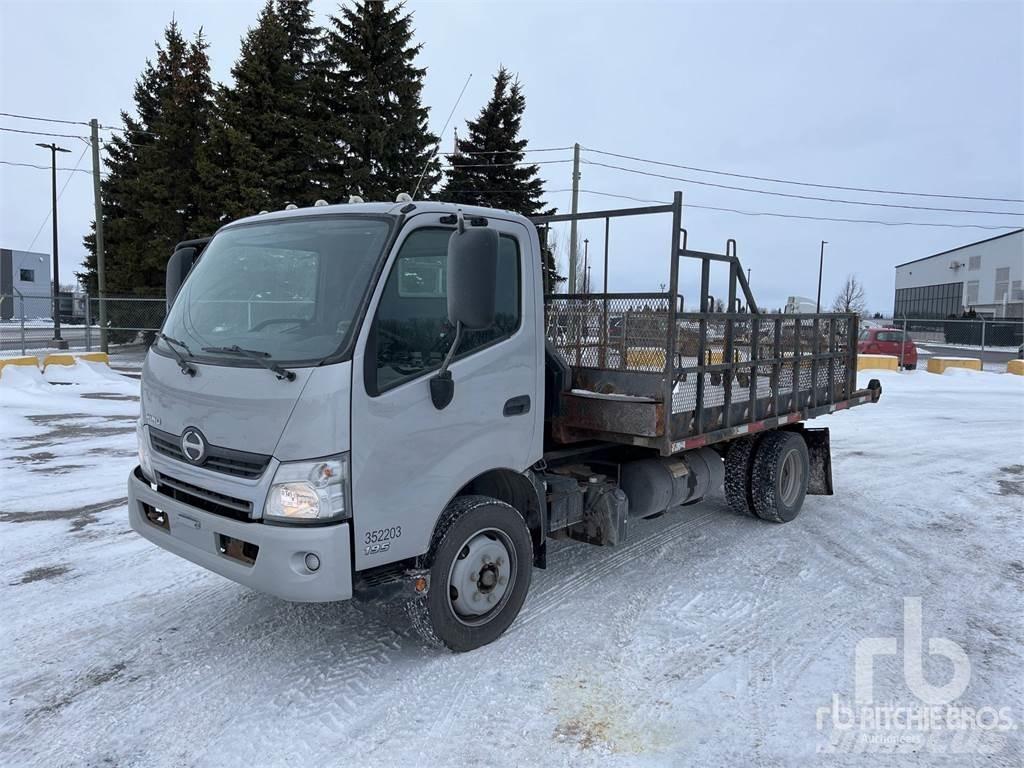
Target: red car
<point>886,341</point>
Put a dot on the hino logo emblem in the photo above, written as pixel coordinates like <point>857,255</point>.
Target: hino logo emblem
<point>193,445</point>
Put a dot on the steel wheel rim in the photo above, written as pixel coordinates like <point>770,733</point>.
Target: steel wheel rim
<point>790,478</point>
<point>481,577</point>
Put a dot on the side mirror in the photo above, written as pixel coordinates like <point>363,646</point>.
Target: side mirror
<point>472,273</point>
<point>177,270</point>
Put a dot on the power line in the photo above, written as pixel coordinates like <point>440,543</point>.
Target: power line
<point>45,167</point>
<point>520,164</point>
<point>43,119</point>
<point>59,195</point>
<point>801,197</point>
<point>509,152</point>
<point>798,216</point>
<point>806,183</point>
<point>41,133</point>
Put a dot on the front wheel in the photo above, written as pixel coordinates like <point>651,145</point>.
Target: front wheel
<point>480,566</point>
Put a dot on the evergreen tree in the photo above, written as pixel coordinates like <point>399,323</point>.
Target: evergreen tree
<point>381,133</point>
<point>151,194</point>
<point>487,166</point>
<point>268,139</point>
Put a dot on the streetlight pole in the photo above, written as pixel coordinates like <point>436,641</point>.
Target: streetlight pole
<point>821,265</point>
<point>586,251</point>
<point>59,343</point>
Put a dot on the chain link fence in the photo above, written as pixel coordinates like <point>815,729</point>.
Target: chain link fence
<point>117,324</point>
<point>994,342</point>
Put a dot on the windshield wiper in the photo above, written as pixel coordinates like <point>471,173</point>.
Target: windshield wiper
<point>173,345</point>
<point>258,356</point>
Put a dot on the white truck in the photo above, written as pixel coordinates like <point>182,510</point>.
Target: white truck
<point>379,400</point>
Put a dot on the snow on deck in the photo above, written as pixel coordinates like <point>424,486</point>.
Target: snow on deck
<point>706,639</point>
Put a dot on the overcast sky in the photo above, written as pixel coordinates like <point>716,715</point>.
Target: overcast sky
<point>925,97</point>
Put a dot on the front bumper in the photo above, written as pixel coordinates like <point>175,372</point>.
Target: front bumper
<point>279,567</point>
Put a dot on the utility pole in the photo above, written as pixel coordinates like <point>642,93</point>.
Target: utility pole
<point>58,342</point>
<point>575,210</point>
<point>98,204</point>
<point>821,265</point>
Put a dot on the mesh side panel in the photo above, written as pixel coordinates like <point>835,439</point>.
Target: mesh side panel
<point>618,333</point>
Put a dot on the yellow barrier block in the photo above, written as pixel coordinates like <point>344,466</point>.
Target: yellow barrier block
<point>645,357</point>
<point>940,364</point>
<point>33,361</point>
<point>95,357</point>
<point>58,359</point>
<point>1015,366</point>
<point>885,362</point>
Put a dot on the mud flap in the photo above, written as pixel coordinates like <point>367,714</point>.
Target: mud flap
<point>819,455</point>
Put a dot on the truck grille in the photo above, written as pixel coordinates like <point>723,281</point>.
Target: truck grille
<point>203,498</point>
<point>226,460</point>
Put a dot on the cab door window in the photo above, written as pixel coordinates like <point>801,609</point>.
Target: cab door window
<point>411,329</point>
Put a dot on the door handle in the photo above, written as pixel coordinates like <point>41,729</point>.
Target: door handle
<point>517,406</point>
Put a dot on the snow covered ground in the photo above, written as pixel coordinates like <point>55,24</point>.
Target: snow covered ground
<point>707,639</point>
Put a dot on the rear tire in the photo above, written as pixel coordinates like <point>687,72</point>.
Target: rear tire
<point>778,479</point>
<point>480,564</point>
<point>739,462</point>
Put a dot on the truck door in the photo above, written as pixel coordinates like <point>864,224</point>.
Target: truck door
<point>408,458</point>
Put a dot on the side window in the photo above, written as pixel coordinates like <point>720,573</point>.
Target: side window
<point>412,329</point>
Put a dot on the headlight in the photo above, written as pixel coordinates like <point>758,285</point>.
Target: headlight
<point>309,491</point>
<point>144,461</point>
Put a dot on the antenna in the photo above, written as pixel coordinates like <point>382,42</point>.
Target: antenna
<point>444,128</point>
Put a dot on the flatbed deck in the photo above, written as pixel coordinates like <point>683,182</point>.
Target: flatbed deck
<point>673,380</point>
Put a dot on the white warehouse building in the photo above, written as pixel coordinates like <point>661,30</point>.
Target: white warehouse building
<point>984,276</point>
<point>24,277</point>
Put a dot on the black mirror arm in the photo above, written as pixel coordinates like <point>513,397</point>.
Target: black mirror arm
<point>442,385</point>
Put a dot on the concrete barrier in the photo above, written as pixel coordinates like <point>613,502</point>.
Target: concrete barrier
<point>885,362</point>
<point>65,358</point>
<point>1015,367</point>
<point>651,358</point>
<point>940,364</point>
<point>30,360</point>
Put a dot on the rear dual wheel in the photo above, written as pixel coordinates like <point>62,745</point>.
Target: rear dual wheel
<point>766,476</point>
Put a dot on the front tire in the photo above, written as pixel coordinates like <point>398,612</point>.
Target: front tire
<point>480,563</point>
<point>778,478</point>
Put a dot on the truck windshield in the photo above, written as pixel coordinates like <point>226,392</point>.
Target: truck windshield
<point>287,288</point>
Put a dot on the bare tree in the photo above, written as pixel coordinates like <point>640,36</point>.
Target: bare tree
<point>851,297</point>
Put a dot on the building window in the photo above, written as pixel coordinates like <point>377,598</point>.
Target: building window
<point>930,301</point>
<point>27,275</point>
<point>1002,283</point>
<point>1017,294</point>
<point>974,263</point>
<point>972,292</point>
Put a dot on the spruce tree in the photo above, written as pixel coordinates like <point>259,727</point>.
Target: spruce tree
<point>487,166</point>
<point>151,194</point>
<point>268,138</point>
<point>380,125</point>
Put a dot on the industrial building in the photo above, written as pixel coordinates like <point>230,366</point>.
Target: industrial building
<point>24,274</point>
<point>984,276</point>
